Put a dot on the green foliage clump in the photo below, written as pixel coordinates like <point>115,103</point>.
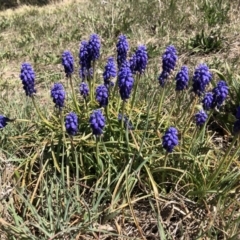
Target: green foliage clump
<point>74,186</point>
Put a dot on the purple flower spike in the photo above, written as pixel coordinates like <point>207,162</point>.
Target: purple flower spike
<point>200,118</point>
<point>140,60</point>
<point>169,59</point>
<point>102,95</point>
<point>58,95</point>
<point>97,122</point>
<point>201,79</point>
<point>207,101</point>
<point>84,61</point>
<point>125,81</point>
<point>3,121</point>
<point>84,89</point>
<point>182,79</point>
<point>170,139</point>
<point>27,76</point>
<point>220,93</point>
<point>162,78</point>
<point>133,63</point>
<point>67,62</point>
<point>122,49</point>
<point>71,123</point>
<point>94,46</point>
<point>110,72</point>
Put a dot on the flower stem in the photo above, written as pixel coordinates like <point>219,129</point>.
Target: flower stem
<point>173,106</point>
<point>165,164</point>
<point>135,90</point>
<point>160,107</point>
<point>107,112</point>
<point>186,110</point>
<point>40,114</point>
<point>62,125</point>
<point>122,120</point>
<point>100,164</point>
<point>68,168</point>
<point>77,166</point>
<point>74,95</point>
<point>115,88</point>
<point>91,83</point>
<point>190,117</point>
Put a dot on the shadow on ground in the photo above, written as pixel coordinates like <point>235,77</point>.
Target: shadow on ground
<point>6,4</point>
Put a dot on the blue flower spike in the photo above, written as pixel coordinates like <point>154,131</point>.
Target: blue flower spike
<point>201,118</point>
<point>84,89</point>
<point>182,79</point>
<point>102,95</point>
<point>170,139</point>
<point>68,63</point>
<point>97,122</point>
<point>122,49</point>
<point>71,123</point>
<point>27,76</point>
<point>94,46</point>
<point>84,61</point>
<point>207,101</point>
<point>220,93</point>
<point>109,72</point>
<point>125,81</point>
<point>58,95</point>
<point>4,121</point>
<point>139,60</point>
<point>201,78</point>
<point>169,60</point>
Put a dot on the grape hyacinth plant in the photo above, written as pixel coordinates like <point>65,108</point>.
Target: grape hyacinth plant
<point>27,76</point>
<point>71,123</point>
<point>109,140</point>
<point>58,95</point>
